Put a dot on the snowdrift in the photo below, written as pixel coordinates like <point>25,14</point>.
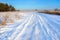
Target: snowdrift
<point>33,26</point>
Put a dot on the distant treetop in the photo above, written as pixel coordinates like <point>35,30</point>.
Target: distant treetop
<point>6,7</point>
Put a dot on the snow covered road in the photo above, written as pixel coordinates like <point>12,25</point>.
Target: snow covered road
<point>34,26</point>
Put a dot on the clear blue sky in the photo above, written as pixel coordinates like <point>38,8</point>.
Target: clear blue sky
<point>33,4</point>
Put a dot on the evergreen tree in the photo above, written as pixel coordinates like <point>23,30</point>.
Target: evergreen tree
<point>6,7</point>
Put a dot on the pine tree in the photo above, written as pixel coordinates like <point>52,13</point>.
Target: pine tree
<point>6,7</point>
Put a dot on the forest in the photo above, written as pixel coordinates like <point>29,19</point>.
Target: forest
<point>6,7</point>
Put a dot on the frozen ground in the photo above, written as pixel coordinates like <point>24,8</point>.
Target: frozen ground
<point>32,26</point>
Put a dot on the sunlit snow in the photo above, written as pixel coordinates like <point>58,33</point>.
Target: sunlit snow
<point>32,26</point>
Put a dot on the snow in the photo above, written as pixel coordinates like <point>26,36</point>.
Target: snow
<point>32,26</point>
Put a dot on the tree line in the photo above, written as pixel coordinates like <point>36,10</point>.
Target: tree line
<point>6,7</point>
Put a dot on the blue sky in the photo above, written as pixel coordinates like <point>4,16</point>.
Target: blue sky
<point>33,4</point>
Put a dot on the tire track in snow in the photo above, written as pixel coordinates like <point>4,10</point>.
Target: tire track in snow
<point>37,26</point>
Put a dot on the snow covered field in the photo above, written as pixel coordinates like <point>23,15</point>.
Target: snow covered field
<point>30,26</point>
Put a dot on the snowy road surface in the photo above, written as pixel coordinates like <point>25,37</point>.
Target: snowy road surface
<point>34,26</point>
